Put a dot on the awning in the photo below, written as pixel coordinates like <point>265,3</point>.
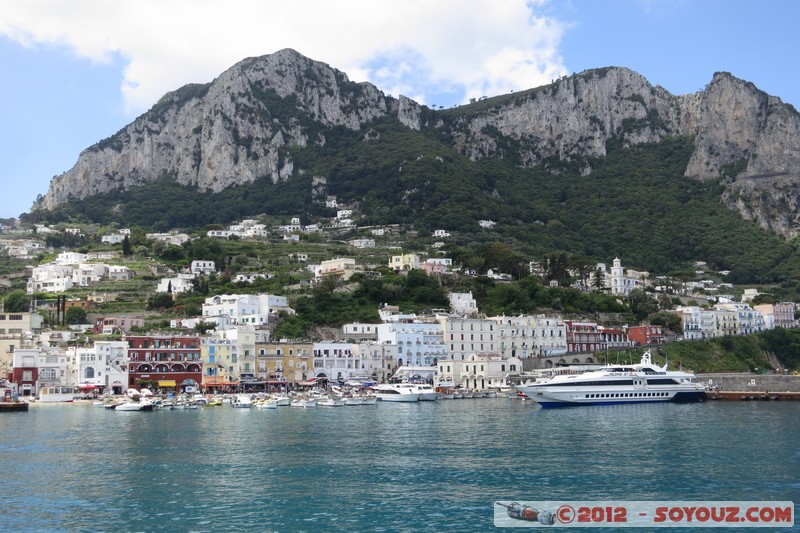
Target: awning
<point>167,383</point>
<point>87,386</point>
<point>222,384</point>
<point>312,381</point>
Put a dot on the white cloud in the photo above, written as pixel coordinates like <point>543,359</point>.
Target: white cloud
<point>420,48</point>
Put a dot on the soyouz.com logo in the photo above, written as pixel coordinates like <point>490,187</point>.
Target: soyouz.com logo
<point>644,514</point>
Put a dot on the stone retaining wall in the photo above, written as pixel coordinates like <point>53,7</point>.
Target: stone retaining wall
<point>752,382</point>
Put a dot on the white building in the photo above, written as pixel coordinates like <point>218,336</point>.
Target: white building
<point>478,372</point>
<point>417,344</point>
<point>341,268</point>
<point>85,274</point>
<point>70,258</point>
<point>246,309</point>
<point>103,365</point>
<point>531,336</point>
<point>339,361</point>
<point>747,320</point>
<point>114,238</point>
<point>467,336</point>
<point>119,273</point>
<point>380,359</point>
<point>205,268</point>
<point>360,332</point>
<point>250,277</point>
<point>362,243</point>
<point>621,281</point>
<point>463,303</point>
<point>698,323</point>
<point>176,239</point>
<point>39,367</point>
<point>176,284</point>
<point>50,277</point>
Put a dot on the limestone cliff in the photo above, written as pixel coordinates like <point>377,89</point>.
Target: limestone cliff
<point>237,128</point>
<point>746,138</point>
<point>230,131</point>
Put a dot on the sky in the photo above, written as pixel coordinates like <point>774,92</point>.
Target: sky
<point>75,72</point>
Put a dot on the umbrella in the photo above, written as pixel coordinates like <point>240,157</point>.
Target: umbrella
<point>87,386</point>
<point>132,392</point>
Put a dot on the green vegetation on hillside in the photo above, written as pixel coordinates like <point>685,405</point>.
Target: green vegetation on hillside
<point>636,204</point>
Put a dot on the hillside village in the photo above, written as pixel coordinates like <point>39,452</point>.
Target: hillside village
<point>85,322</point>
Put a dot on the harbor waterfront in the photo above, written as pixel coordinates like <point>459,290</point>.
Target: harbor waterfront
<point>420,466</point>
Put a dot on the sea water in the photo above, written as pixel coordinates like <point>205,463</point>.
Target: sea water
<point>406,467</point>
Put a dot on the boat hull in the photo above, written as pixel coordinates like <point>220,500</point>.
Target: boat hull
<point>401,397</point>
<point>548,399</point>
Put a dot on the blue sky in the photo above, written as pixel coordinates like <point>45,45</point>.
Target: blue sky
<point>76,71</point>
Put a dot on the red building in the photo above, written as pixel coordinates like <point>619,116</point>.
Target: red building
<point>615,338</point>
<point>583,337</point>
<point>646,335</point>
<point>173,362</point>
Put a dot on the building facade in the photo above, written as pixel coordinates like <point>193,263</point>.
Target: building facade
<point>171,362</point>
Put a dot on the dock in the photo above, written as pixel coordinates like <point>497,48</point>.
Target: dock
<point>752,396</point>
<point>9,407</point>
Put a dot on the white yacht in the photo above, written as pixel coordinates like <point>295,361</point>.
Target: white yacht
<point>427,393</point>
<point>142,405</point>
<point>242,401</point>
<point>397,392</point>
<point>614,384</point>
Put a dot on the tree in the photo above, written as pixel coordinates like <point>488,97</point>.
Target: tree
<point>641,304</point>
<point>16,302</point>
<point>159,300</point>
<point>126,246</point>
<point>598,280</point>
<point>75,315</point>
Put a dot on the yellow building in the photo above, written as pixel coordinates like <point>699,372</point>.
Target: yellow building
<point>404,263</point>
<point>16,331</point>
<point>284,362</point>
<point>220,362</point>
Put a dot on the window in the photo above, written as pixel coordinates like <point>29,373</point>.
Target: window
<point>27,375</point>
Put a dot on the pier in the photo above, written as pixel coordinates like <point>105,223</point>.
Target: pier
<point>753,396</point>
<point>6,407</point>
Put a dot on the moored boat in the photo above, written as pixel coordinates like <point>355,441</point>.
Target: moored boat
<point>267,404</point>
<point>304,402</point>
<point>369,400</point>
<point>644,382</point>
<point>331,401</point>
<point>57,393</point>
<point>242,401</point>
<point>142,405</point>
<point>353,400</point>
<point>396,392</point>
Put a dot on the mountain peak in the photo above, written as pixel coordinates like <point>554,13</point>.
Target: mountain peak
<point>244,125</point>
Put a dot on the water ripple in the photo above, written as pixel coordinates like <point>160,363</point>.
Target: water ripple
<point>392,468</point>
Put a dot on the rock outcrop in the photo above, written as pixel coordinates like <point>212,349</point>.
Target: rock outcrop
<point>236,129</point>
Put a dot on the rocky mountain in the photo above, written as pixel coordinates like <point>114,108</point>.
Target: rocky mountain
<point>243,126</point>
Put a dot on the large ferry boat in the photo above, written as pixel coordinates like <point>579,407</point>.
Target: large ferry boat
<point>614,384</point>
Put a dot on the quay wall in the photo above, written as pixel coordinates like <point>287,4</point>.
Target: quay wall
<point>751,382</point>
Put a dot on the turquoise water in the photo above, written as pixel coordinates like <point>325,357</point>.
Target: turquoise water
<point>430,466</point>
